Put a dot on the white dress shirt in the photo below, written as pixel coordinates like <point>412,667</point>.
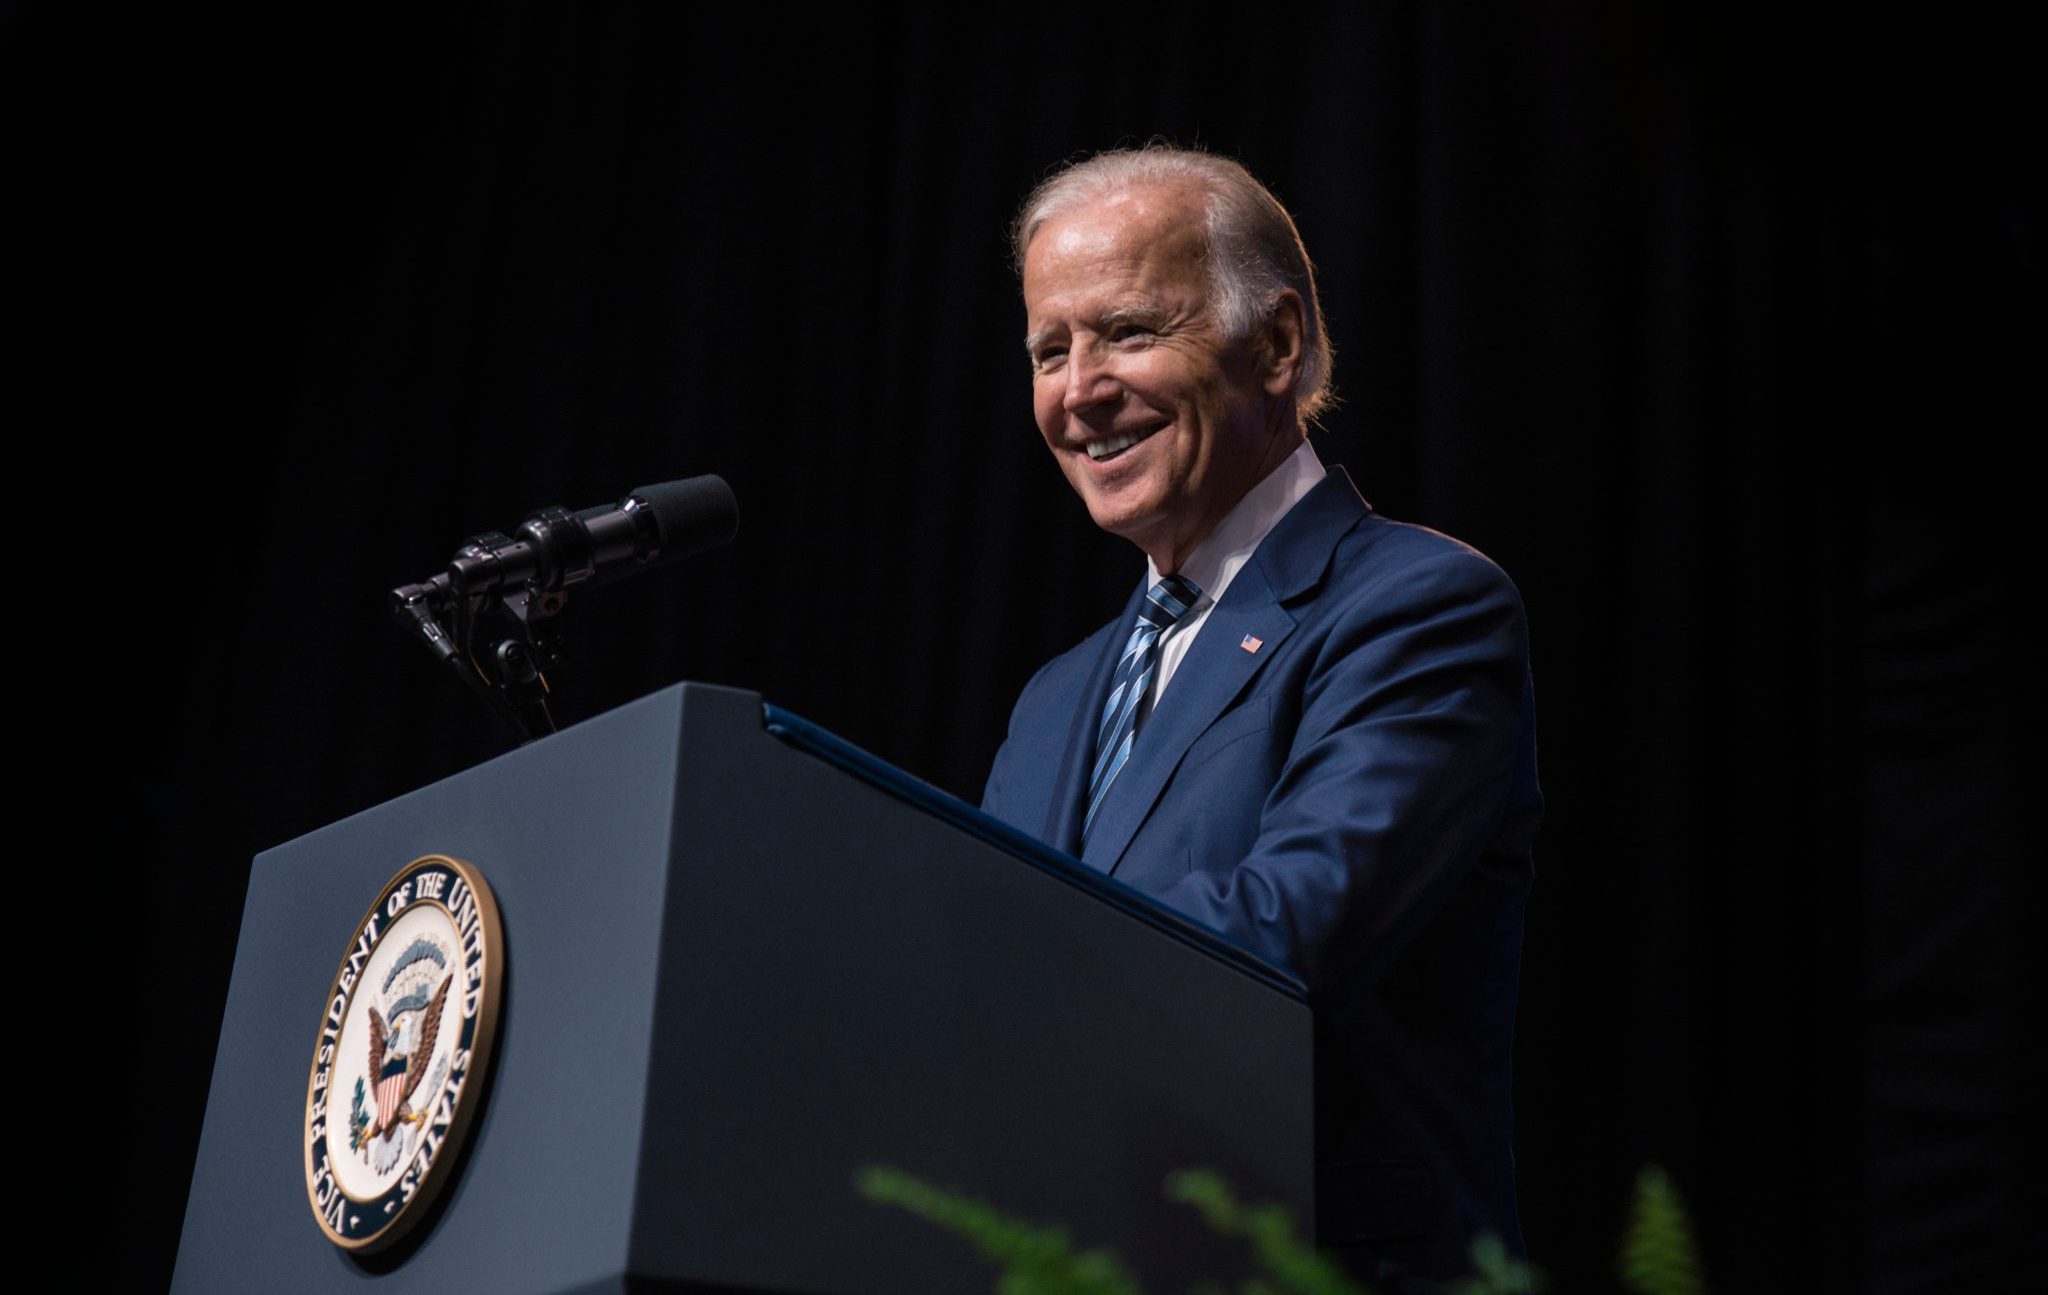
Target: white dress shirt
<point>1215,562</point>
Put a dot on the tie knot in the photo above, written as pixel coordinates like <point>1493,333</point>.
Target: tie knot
<point>1169,600</point>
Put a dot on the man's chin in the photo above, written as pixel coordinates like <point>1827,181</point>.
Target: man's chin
<point>1116,514</point>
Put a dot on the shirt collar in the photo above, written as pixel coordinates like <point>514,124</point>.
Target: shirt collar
<point>1215,562</point>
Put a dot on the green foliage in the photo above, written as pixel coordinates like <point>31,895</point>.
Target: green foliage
<point>1034,1260</point>
<point>1037,1260</point>
<point>1658,1253</point>
<point>1292,1263</point>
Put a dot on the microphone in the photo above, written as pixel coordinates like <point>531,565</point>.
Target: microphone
<point>530,574</point>
<point>556,549</point>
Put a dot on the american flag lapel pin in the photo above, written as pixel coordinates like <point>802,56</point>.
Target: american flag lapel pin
<point>1252,643</point>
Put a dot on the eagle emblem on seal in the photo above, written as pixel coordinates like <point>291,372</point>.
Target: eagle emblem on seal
<point>403,1034</point>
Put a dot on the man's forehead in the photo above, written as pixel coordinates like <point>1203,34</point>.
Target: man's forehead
<point>1119,252</point>
<point>1134,215</point>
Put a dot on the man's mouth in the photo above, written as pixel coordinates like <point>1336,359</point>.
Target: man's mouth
<point>1115,445</point>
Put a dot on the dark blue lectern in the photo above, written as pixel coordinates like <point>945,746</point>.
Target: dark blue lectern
<point>743,961</point>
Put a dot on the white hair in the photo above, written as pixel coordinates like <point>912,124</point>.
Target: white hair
<point>1254,250</point>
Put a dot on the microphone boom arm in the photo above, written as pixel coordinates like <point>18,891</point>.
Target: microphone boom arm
<point>491,616</point>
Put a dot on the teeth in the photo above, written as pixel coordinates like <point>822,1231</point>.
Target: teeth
<point>1099,450</point>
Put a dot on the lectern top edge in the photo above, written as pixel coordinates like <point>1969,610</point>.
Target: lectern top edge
<point>808,737</point>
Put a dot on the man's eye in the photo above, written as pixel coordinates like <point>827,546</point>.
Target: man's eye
<point>1130,332</point>
<point>1048,358</point>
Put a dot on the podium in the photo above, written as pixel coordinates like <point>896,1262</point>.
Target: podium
<point>743,961</point>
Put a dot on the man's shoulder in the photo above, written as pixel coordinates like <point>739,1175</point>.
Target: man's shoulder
<point>1382,558</point>
<point>1335,544</point>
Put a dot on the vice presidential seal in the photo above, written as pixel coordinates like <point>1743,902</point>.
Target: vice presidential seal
<point>404,1044</point>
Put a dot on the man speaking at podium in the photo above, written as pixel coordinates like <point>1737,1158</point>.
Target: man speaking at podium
<point>1311,727</point>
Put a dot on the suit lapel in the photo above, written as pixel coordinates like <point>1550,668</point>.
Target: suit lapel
<point>1210,677</point>
<point>1288,564</point>
<point>1070,790</point>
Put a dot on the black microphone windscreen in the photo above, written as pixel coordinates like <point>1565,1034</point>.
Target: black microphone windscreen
<point>694,514</point>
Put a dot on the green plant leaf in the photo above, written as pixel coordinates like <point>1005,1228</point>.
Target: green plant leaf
<point>1033,1260</point>
<point>1293,1264</point>
<point>1496,1271</point>
<point>1658,1253</point>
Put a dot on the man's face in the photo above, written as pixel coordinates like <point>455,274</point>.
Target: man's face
<point>1160,424</point>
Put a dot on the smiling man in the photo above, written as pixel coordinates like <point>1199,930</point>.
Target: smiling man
<point>1311,727</point>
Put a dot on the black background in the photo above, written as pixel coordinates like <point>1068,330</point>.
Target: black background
<point>1718,331</point>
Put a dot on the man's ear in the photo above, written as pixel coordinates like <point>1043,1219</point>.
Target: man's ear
<point>1283,344</point>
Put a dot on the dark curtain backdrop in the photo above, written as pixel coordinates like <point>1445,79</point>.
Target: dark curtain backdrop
<point>1717,330</point>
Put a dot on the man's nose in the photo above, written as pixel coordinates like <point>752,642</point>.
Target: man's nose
<point>1089,381</point>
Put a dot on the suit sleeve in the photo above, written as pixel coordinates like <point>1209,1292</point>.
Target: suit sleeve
<point>1413,754</point>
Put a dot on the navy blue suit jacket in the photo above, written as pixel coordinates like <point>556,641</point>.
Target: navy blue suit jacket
<point>1354,799</point>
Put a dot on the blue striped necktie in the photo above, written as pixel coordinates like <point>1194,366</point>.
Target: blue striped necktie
<point>1165,603</point>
